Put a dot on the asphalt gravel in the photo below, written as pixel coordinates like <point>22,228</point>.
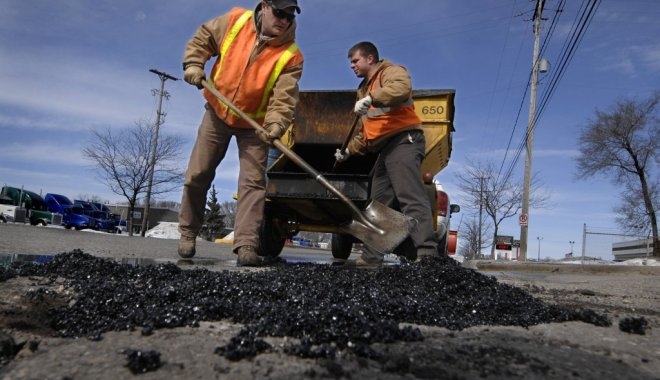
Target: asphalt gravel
<point>327,309</point>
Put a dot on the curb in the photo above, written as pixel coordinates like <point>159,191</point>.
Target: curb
<point>490,266</point>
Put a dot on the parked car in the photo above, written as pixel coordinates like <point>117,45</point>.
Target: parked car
<point>446,237</point>
<point>442,211</point>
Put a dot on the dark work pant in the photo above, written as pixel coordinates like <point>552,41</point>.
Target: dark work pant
<point>397,183</point>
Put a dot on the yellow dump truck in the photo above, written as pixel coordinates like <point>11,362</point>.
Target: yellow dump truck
<point>323,120</point>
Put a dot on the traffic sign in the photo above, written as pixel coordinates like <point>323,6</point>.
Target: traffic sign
<point>522,219</point>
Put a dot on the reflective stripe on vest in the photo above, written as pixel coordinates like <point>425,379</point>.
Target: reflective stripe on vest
<point>277,70</point>
<point>231,36</point>
<point>372,112</point>
<point>381,121</point>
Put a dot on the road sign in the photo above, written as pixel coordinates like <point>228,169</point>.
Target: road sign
<point>503,242</point>
<point>522,219</point>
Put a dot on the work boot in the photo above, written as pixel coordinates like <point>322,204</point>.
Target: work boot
<point>187,246</point>
<point>248,257</point>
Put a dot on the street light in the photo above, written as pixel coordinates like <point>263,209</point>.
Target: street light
<point>571,243</point>
<point>539,251</point>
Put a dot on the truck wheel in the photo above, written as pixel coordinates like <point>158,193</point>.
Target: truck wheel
<point>442,244</point>
<point>271,241</point>
<point>406,249</point>
<point>342,245</point>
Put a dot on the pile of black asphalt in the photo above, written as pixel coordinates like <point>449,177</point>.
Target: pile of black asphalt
<point>325,308</point>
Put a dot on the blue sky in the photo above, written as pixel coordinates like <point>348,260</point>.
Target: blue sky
<point>69,66</point>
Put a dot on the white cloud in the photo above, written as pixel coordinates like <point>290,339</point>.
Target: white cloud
<point>140,16</point>
<point>42,153</point>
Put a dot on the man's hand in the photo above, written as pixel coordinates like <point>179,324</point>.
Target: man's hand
<point>362,105</point>
<point>194,75</point>
<point>272,131</point>
<point>341,156</point>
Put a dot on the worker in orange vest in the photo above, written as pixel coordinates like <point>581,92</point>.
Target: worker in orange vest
<point>257,67</point>
<point>392,129</point>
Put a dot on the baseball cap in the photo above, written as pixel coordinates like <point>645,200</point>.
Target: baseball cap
<point>283,4</point>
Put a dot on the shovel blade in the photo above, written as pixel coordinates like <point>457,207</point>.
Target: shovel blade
<point>393,227</point>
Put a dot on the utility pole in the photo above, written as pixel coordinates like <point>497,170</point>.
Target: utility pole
<point>481,204</point>
<point>154,145</point>
<point>530,129</point>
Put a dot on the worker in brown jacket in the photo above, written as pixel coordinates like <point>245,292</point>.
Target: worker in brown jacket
<point>392,129</point>
<point>257,67</point>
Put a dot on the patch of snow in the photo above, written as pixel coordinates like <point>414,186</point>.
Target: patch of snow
<point>649,262</point>
<point>164,230</point>
<point>458,258</point>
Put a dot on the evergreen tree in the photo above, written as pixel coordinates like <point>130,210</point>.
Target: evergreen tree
<point>213,217</point>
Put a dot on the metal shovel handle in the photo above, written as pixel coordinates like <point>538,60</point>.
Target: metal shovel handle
<point>295,158</point>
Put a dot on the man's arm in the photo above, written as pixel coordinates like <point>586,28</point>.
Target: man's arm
<point>204,43</point>
<point>396,87</point>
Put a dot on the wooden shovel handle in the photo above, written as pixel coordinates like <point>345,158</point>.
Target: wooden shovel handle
<point>297,160</point>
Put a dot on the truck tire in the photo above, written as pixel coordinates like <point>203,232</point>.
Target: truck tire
<point>271,241</point>
<point>341,246</point>
<point>406,249</point>
<point>442,244</point>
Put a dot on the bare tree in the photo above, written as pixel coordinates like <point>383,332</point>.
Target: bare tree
<point>90,198</point>
<point>469,233</point>
<point>624,143</point>
<point>123,161</point>
<point>500,198</point>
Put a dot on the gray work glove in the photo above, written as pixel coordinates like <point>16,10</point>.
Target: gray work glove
<point>272,131</point>
<point>362,105</point>
<point>341,156</point>
<point>194,75</point>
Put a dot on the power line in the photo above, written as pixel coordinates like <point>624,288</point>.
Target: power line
<point>576,37</point>
<point>514,163</point>
<point>580,26</point>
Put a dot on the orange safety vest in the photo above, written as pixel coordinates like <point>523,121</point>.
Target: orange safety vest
<point>247,85</point>
<point>380,121</point>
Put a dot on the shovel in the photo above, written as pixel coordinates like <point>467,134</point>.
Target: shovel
<point>378,226</point>
<point>348,139</point>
